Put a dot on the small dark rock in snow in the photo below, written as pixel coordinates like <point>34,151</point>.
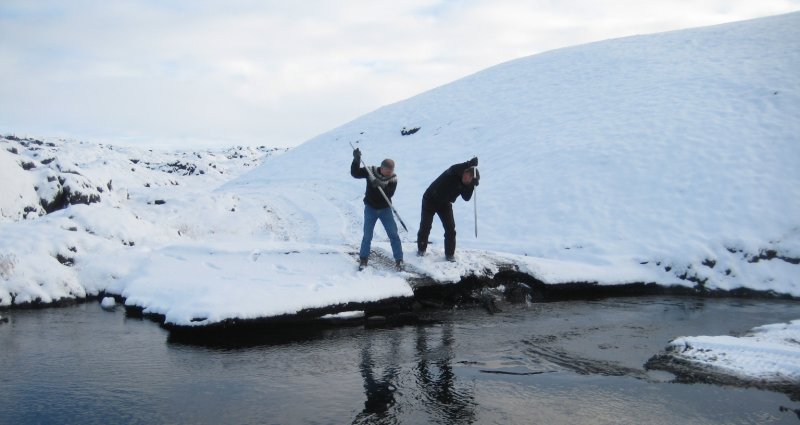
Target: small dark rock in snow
<point>408,132</point>
<point>65,260</point>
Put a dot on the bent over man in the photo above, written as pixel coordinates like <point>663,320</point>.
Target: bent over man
<point>375,206</point>
<point>459,179</point>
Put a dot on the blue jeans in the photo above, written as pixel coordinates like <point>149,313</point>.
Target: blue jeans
<point>371,215</point>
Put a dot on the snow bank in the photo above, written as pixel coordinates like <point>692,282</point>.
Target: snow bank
<point>767,353</point>
<point>17,192</point>
<point>210,284</point>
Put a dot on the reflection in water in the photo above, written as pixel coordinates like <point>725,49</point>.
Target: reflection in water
<point>436,380</point>
<point>434,386</point>
<point>380,391</point>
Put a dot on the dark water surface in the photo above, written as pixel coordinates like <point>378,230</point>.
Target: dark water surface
<point>565,362</point>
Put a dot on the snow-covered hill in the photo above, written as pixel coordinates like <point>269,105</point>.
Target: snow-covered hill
<point>670,158</point>
<point>667,158</point>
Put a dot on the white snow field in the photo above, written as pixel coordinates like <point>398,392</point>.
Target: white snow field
<point>669,158</point>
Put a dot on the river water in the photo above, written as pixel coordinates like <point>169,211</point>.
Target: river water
<point>549,363</point>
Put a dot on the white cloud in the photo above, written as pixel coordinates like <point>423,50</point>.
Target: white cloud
<point>278,73</point>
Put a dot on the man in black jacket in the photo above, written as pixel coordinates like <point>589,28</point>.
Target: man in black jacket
<point>375,206</point>
<point>459,179</point>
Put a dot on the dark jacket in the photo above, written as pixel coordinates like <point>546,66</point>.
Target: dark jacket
<point>448,186</point>
<point>372,196</point>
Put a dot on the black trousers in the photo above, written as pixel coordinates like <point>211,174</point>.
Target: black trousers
<point>445,213</point>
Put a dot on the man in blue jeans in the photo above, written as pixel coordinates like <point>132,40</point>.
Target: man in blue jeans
<point>375,206</point>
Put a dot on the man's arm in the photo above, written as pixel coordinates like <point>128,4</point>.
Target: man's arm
<point>355,167</point>
<point>390,188</point>
<point>458,169</point>
<point>466,191</point>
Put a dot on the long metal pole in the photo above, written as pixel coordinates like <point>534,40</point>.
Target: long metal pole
<point>475,198</point>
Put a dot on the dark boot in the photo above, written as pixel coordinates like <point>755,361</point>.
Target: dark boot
<point>362,264</point>
<point>399,265</point>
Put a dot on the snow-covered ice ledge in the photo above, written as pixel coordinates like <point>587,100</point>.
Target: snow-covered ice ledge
<point>767,357</point>
<point>215,284</point>
<point>204,286</point>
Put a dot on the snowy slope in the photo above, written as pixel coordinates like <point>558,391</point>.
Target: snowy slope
<point>669,157</point>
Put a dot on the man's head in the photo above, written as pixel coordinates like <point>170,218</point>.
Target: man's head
<point>387,167</point>
<point>469,175</point>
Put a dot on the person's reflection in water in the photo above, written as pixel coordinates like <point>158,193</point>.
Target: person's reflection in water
<point>379,390</point>
<point>441,396</point>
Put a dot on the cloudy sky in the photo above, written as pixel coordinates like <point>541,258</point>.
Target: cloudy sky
<point>263,72</point>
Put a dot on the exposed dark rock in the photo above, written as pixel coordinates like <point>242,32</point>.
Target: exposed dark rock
<point>59,202</point>
<point>771,254</point>
<point>709,263</point>
<point>67,196</point>
<point>408,132</point>
<point>518,293</point>
<point>178,167</point>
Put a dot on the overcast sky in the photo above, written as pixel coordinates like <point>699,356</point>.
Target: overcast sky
<point>276,73</point>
